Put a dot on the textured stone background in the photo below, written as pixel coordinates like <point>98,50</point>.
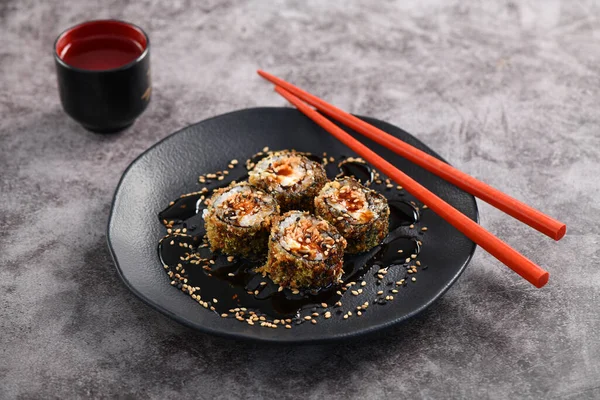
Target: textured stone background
<point>506,90</point>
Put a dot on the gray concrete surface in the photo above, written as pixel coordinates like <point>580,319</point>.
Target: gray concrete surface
<point>506,90</point>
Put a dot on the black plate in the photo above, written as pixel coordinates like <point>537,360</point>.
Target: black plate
<point>171,168</point>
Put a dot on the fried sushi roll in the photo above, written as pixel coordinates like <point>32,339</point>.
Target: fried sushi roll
<point>291,178</point>
<point>360,214</point>
<point>304,251</point>
<point>238,219</point>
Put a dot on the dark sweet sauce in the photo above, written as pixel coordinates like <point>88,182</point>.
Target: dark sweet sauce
<point>402,213</point>
<point>182,209</point>
<point>361,171</point>
<point>234,283</point>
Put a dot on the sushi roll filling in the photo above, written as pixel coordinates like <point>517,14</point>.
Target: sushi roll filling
<point>285,171</point>
<point>243,207</point>
<point>290,177</point>
<point>351,202</point>
<point>306,237</point>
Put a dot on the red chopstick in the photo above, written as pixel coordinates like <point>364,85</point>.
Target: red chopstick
<point>496,247</point>
<point>519,210</point>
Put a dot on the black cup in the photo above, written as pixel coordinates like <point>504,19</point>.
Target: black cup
<point>103,70</point>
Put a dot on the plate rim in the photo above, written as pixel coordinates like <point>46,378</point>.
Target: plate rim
<point>370,329</point>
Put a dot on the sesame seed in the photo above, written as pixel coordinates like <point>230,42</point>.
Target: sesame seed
<point>224,315</point>
<point>327,315</point>
<point>394,291</point>
<point>413,256</point>
<point>411,226</point>
<point>346,316</point>
<point>400,251</point>
<point>354,292</point>
<point>324,305</point>
<point>424,228</point>
<point>418,263</point>
<point>294,291</point>
<point>231,274</point>
<point>363,283</point>
<point>425,207</point>
<point>414,279</point>
<point>288,327</point>
<point>359,313</point>
<point>313,321</point>
<point>315,314</point>
<point>308,318</point>
<point>379,293</point>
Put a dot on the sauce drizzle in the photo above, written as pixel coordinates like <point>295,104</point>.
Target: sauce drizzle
<point>185,254</point>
